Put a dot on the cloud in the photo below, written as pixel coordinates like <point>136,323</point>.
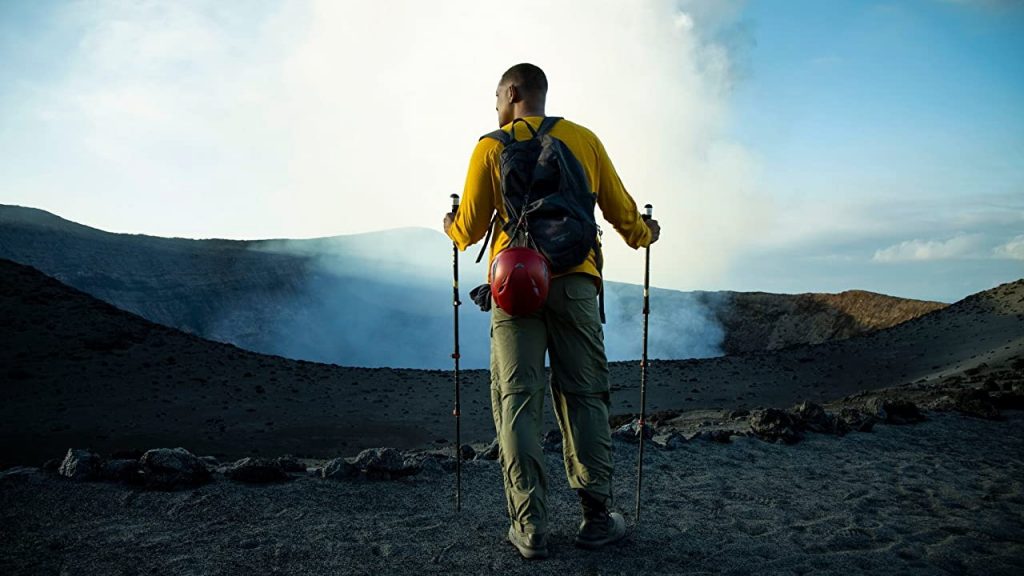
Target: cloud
<point>960,246</point>
<point>1013,250</point>
<point>316,118</point>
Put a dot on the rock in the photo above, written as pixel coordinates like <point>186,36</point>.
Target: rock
<point>738,414</point>
<point>289,463</point>
<point>674,441</point>
<point>894,411</point>
<point>468,453</point>
<point>122,470</point>
<point>170,468</point>
<point>52,465</point>
<point>256,470</point>
<point>431,467</point>
<point>489,453</point>
<point>339,469</point>
<point>211,462</point>
<point>855,420</point>
<point>431,462</point>
<point>773,424</point>
<point>81,464</point>
<point>381,463</point>
<point>812,417</point>
<point>975,402</point>
<point>552,441</point>
<point>630,432</point>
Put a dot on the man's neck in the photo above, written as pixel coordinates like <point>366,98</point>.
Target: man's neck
<point>524,112</point>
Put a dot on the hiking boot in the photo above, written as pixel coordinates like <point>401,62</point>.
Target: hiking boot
<point>600,530</point>
<point>529,545</point>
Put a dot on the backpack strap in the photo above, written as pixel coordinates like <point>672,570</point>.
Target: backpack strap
<point>546,124</point>
<point>490,229</point>
<point>505,138</point>
<point>500,135</point>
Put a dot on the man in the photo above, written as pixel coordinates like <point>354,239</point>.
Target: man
<point>568,327</point>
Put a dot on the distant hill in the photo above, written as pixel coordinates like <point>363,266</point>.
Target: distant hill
<point>761,321</point>
<point>384,299</point>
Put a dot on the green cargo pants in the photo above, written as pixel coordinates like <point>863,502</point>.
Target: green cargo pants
<point>568,327</point>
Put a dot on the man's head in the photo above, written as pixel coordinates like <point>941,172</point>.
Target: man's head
<point>521,92</point>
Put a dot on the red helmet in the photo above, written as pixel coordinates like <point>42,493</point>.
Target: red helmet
<point>519,280</point>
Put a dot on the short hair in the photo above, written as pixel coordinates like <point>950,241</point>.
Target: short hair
<point>526,77</point>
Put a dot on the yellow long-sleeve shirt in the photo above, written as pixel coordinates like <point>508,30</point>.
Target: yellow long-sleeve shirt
<point>482,193</point>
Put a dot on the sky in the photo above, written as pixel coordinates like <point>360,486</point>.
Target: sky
<point>787,146</point>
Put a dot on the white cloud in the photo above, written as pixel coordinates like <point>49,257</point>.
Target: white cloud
<point>961,246</point>
<point>1013,250</point>
<point>318,118</point>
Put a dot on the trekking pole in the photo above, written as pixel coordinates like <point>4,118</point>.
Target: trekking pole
<point>641,428</point>
<point>455,356</point>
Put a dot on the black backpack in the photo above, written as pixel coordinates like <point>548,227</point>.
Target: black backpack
<point>547,198</point>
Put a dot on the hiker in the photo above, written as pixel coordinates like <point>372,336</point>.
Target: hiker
<point>568,326</point>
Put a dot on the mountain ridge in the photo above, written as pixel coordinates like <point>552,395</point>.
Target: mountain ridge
<point>347,292</point>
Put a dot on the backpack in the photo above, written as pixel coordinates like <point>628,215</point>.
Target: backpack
<point>547,198</point>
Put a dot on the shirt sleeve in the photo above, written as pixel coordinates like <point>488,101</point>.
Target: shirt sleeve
<point>477,204</point>
<point>617,205</point>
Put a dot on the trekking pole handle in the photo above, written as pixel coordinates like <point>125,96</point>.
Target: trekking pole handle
<point>648,212</point>
<point>455,203</point>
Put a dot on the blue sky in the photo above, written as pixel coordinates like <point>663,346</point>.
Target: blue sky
<point>788,146</point>
<point>893,135</point>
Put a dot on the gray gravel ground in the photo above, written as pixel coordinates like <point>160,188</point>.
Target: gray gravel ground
<point>945,496</point>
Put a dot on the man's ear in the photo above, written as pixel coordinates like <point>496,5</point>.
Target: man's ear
<point>513,94</point>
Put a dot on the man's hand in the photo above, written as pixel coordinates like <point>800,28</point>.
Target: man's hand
<point>449,218</point>
<point>655,229</point>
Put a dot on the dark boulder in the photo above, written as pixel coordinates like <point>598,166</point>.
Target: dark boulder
<point>122,470</point>
<point>674,441</point>
<point>339,469</point>
<point>630,432</point>
<point>855,420</point>
<point>490,452</point>
<point>894,411</point>
<point>81,464</point>
<point>774,425</point>
<point>433,462</point>
<point>811,417</point>
<point>171,468</point>
<point>256,471</point>
<point>975,402</point>
<point>289,463</point>
<point>382,463</point>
